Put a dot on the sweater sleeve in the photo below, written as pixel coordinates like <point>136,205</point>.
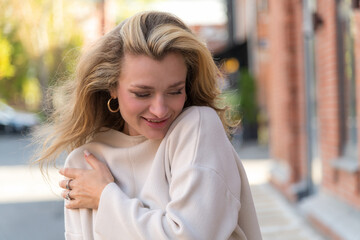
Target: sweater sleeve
<point>204,189</point>
<point>77,220</point>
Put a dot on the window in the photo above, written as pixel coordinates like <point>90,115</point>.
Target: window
<point>347,88</point>
<point>263,5</point>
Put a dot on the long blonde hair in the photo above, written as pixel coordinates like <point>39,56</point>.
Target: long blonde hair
<point>80,104</point>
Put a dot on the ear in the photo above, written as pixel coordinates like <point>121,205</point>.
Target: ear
<point>113,93</point>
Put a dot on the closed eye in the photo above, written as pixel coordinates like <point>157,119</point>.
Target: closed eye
<point>141,95</point>
<point>178,92</point>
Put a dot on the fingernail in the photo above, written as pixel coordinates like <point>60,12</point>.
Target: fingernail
<point>86,152</point>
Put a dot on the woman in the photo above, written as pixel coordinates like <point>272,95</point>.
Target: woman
<point>150,158</point>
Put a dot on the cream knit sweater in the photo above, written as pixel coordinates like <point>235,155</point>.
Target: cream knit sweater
<point>190,185</point>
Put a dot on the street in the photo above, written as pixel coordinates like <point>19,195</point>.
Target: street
<point>30,209</point>
<point>14,149</point>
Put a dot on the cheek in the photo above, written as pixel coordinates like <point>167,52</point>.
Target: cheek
<point>130,106</point>
<point>178,104</point>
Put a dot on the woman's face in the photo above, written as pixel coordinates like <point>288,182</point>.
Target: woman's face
<point>151,93</point>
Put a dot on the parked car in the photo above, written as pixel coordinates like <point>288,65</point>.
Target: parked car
<point>6,115</point>
<point>12,120</point>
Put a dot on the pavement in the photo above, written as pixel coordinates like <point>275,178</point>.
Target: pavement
<point>32,209</point>
<point>278,218</point>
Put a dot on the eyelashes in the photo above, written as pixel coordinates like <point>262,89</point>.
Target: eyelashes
<point>141,95</point>
<point>176,93</point>
<point>147,94</point>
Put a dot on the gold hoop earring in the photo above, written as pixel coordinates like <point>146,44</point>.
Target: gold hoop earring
<point>109,107</point>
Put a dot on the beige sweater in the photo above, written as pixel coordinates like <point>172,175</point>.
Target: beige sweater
<point>190,185</point>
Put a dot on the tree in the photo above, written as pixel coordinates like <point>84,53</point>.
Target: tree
<point>40,32</point>
<point>40,39</point>
<point>6,68</point>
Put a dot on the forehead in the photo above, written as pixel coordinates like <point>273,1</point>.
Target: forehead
<point>142,69</point>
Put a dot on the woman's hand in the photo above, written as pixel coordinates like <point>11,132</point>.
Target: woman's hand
<point>84,187</point>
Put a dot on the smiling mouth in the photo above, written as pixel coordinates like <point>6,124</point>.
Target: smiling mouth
<point>156,123</point>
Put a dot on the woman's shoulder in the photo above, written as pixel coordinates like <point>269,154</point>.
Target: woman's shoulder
<point>197,123</point>
<point>104,140</point>
<point>196,115</point>
<point>198,141</point>
<point>76,158</point>
<point>199,110</point>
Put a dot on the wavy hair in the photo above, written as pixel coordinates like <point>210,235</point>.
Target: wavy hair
<point>80,104</point>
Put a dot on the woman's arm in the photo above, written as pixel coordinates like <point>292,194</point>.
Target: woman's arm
<point>87,181</point>
<point>201,208</point>
<point>86,185</point>
<point>204,190</point>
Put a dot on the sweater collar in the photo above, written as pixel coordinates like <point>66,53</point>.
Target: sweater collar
<point>118,139</point>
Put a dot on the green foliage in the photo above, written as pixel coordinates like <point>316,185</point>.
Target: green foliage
<point>247,91</point>
<point>40,41</point>
<point>6,68</point>
<point>14,66</point>
<point>34,38</point>
<point>243,99</point>
<point>231,98</point>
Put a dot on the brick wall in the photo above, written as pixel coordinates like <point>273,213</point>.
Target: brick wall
<point>340,182</point>
<point>327,76</point>
<point>283,63</point>
<point>281,79</point>
<point>357,74</point>
<point>262,59</point>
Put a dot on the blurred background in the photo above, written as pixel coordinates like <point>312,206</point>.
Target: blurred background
<point>292,75</point>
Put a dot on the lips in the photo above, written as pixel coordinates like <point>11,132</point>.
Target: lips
<point>156,123</point>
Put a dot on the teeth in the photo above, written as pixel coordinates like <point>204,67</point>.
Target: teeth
<point>155,121</point>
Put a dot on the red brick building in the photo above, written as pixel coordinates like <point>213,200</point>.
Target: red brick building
<point>306,59</point>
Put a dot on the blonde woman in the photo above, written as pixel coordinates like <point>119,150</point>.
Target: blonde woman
<point>150,157</point>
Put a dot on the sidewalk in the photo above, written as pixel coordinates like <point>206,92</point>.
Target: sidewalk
<point>278,219</point>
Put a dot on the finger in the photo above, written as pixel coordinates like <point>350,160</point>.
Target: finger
<point>73,204</point>
<point>66,184</point>
<point>69,193</point>
<point>64,193</point>
<point>71,172</point>
<point>92,160</point>
<point>69,204</point>
<point>63,183</point>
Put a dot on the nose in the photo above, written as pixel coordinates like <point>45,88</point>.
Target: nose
<point>158,107</point>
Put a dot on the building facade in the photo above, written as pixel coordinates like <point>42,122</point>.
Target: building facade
<point>306,59</point>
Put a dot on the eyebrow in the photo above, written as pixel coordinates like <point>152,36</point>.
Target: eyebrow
<point>148,87</point>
